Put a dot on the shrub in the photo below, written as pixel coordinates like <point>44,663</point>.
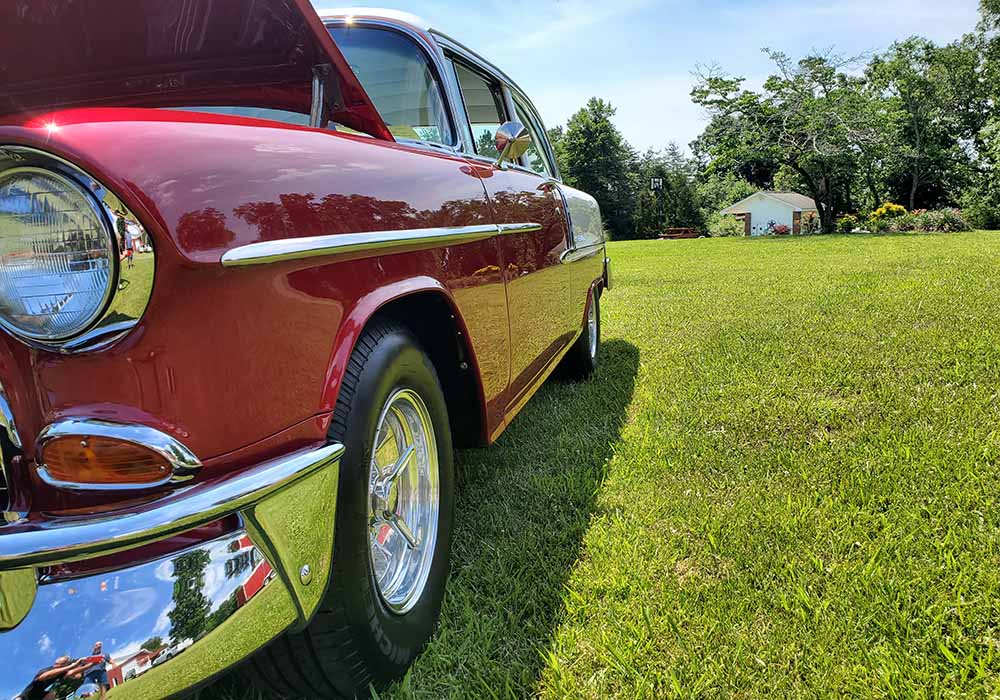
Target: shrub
<point>889,211</point>
<point>941,220</point>
<point>848,223</point>
<point>779,229</point>
<point>725,226</point>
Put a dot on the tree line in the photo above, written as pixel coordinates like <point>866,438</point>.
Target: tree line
<point>917,126</point>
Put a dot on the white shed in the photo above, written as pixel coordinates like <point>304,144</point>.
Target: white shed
<point>763,212</point>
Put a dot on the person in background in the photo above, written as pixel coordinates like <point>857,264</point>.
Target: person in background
<point>42,685</point>
<point>98,673</point>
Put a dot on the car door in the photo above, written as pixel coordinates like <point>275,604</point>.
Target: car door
<point>529,211</point>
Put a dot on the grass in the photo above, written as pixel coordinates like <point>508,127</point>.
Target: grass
<point>782,482</point>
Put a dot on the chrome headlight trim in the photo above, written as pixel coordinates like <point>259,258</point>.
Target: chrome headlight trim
<point>127,298</point>
<point>184,464</point>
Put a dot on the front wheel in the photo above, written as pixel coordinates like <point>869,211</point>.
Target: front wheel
<point>393,530</point>
<point>581,360</point>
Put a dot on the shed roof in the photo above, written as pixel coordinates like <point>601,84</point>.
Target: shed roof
<point>793,200</point>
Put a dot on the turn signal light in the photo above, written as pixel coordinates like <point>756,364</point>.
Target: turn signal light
<point>101,461</point>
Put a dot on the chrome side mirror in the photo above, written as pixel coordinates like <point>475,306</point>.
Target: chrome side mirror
<point>512,141</point>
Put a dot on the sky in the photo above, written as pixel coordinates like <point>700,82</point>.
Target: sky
<point>640,54</point>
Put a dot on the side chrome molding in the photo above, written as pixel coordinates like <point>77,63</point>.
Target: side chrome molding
<point>372,243</point>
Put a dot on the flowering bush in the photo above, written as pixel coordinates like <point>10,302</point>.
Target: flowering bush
<point>889,211</point>
<point>848,223</point>
<point>780,230</point>
<point>940,220</point>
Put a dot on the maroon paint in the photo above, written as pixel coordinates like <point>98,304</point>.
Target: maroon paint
<point>226,52</point>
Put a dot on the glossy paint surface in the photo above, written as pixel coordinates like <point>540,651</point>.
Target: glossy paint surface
<point>225,358</point>
<point>538,286</point>
<point>165,54</point>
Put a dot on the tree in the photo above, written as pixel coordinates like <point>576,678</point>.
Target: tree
<point>152,644</point>
<point>805,120</point>
<point>600,162</point>
<point>189,617</point>
<point>676,205</point>
<point>932,95</point>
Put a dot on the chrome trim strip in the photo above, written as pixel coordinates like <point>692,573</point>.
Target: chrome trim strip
<point>574,254</point>
<point>349,243</point>
<point>7,421</point>
<point>128,296</point>
<point>63,539</point>
<point>183,462</point>
<point>505,229</point>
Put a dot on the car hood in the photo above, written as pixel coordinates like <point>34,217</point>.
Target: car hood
<point>56,54</point>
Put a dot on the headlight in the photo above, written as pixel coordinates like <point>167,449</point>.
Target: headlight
<point>58,260</point>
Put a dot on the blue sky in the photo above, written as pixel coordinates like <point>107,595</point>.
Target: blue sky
<point>640,54</point>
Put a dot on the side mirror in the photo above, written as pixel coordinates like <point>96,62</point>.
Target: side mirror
<point>512,140</point>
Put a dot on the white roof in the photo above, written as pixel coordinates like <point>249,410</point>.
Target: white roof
<point>792,200</point>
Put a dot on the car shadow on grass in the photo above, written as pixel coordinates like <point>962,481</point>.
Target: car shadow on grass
<point>524,507</point>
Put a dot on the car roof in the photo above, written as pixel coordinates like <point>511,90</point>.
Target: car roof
<point>399,16</point>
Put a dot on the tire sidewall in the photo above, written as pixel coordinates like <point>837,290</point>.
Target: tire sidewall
<point>389,641</point>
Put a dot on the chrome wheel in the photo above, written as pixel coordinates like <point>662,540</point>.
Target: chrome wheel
<point>592,326</point>
<point>403,499</point>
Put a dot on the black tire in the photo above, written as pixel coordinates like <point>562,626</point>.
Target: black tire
<point>355,640</point>
<point>581,360</point>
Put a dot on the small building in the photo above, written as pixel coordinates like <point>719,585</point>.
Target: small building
<point>768,213</point>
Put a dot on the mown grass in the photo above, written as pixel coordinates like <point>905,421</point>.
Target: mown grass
<point>782,482</point>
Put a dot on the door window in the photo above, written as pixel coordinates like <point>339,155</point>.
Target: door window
<point>534,157</point>
<point>484,105</point>
<point>399,80</point>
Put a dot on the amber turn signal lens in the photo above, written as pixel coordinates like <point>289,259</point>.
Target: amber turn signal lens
<point>102,461</point>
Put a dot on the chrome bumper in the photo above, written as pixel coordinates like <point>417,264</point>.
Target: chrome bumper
<point>168,622</point>
<point>607,273</point>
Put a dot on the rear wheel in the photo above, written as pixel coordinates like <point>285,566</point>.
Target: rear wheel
<point>581,360</point>
<point>393,531</point>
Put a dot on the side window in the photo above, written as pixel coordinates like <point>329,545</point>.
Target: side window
<point>484,105</point>
<point>399,80</point>
<point>534,157</point>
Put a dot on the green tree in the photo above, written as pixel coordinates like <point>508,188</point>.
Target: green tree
<point>934,103</point>
<point>805,120</point>
<point>153,644</point>
<point>189,617</point>
<point>600,162</point>
<point>676,205</point>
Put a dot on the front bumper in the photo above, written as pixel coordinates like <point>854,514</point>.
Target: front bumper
<point>171,622</point>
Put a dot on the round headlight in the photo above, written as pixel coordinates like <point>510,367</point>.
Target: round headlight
<point>58,260</point>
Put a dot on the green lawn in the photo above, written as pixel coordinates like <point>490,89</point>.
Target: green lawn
<point>782,482</point>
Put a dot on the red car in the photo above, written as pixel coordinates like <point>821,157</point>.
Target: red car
<point>260,273</point>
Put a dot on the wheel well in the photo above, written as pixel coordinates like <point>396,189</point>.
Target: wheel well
<point>431,318</point>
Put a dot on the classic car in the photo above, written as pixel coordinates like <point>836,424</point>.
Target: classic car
<point>261,271</point>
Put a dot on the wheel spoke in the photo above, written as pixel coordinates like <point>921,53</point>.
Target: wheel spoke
<point>400,465</point>
<point>400,526</point>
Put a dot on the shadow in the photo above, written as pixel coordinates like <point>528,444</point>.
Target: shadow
<point>524,507</point>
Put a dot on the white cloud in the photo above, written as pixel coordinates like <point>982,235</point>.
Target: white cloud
<point>45,644</point>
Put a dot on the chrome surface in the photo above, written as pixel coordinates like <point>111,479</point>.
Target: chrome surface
<point>373,243</point>
<point>575,254</point>
<point>317,110</point>
<point>183,462</point>
<point>10,447</point>
<point>57,540</point>
<point>131,291</point>
<point>170,606</point>
<point>607,273</point>
<point>196,611</point>
<point>592,325</point>
<point>512,140</point>
<point>506,229</point>
<point>403,500</point>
